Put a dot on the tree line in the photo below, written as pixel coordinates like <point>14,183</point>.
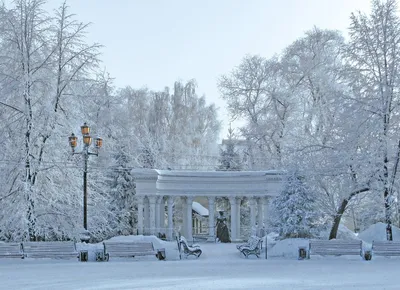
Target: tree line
<point>51,82</point>
<point>328,106</point>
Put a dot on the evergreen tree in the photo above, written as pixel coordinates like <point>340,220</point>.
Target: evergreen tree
<point>294,210</point>
<point>229,157</point>
<point>123,194</point>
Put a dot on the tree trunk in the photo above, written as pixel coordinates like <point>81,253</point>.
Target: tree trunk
<point>340,212</point>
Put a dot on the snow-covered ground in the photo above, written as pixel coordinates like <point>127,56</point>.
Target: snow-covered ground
<point>219,267</point>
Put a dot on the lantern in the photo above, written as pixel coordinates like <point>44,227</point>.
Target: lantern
<point>73,141</point>
<point>87,139</point>
<point>99,142</point>
<point>85,129</point>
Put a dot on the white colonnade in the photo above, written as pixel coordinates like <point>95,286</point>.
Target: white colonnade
<point>156,191</point>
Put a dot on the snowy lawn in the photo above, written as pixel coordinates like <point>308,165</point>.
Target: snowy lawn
<point>219,267</point>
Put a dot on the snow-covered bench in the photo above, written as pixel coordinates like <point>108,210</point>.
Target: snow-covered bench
<point>252,247</point>
<point>335,247</point>
<point>385,248</point>
<point>247,244</point>
<point>128,249</point>
<point>55,250</point>
<point>11,250</point>
<point>189,250</point>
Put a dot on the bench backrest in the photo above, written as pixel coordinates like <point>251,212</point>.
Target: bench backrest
<point>386,248</point>
<point>183,239</point>
<point>254,242</point>
<point>60,249</point>
<point>184,244</point>
<point>11,250</point>
<point>251,238</point>
<point>188,250</point>
<point>335,247</point>
<point>127,249</point>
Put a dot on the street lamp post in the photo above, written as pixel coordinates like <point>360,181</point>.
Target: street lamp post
<point>87,141</point>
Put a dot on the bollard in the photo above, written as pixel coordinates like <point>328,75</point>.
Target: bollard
<point>367,255</point>
<point>83,256</point>
<point>302,253</point>
<point>161,254</point>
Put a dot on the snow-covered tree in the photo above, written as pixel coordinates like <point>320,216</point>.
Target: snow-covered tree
<point>229,156</point>
<point>295,212</point>
<point>177,130</point>
<point>255,91</point>
<point>373,55</point>
<point>43,57</point>
<point>122,195</point>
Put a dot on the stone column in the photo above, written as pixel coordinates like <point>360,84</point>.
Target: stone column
<point>232,201</point>
<point>157,216</point>
<point>146,219</point>
<point>140,214</point>
<point>211,220</point>
<point>146,185</point>
<point>152,203</point>
<point>183,230</point>
<point>189,201</point>
<point>252,214</point>
<point>170,217</point>
<point>238,201</point>
<point>162,214</point>
<point>260,216</point>
<point>265,205</point>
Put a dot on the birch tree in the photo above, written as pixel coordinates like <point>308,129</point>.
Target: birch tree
<point>256,92</point>
<point>374,55</point>
<point>42,57</point>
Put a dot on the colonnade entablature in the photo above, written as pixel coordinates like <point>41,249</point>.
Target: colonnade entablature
<point>156,187</point>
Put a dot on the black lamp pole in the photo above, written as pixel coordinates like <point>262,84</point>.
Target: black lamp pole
<point>85,159</point>
<point>87,141</point>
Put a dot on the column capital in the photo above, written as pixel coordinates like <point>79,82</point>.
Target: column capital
<point>189,199</point>
<point>232,199</point>
<point>211,199</point>
<point>140,198</point>
<point>152,199</point>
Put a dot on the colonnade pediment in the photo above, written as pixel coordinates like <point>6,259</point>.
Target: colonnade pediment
<point>208,183</point>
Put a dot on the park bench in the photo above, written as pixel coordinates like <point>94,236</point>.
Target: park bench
<point>252,247</point>
<point>247,244</point>
<point>54,250</point>
<point>11,250</point>
<point>335,247</point>
<point>129,249</point>
<point>385,248</point>
<point>193,250</point>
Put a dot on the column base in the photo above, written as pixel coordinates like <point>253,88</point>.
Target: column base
<point>237,241</point>
<point>211,239</point>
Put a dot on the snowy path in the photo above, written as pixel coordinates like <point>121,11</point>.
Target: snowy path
<point>220,268</point>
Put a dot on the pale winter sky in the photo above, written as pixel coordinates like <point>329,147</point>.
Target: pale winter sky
<point>155,42</point>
